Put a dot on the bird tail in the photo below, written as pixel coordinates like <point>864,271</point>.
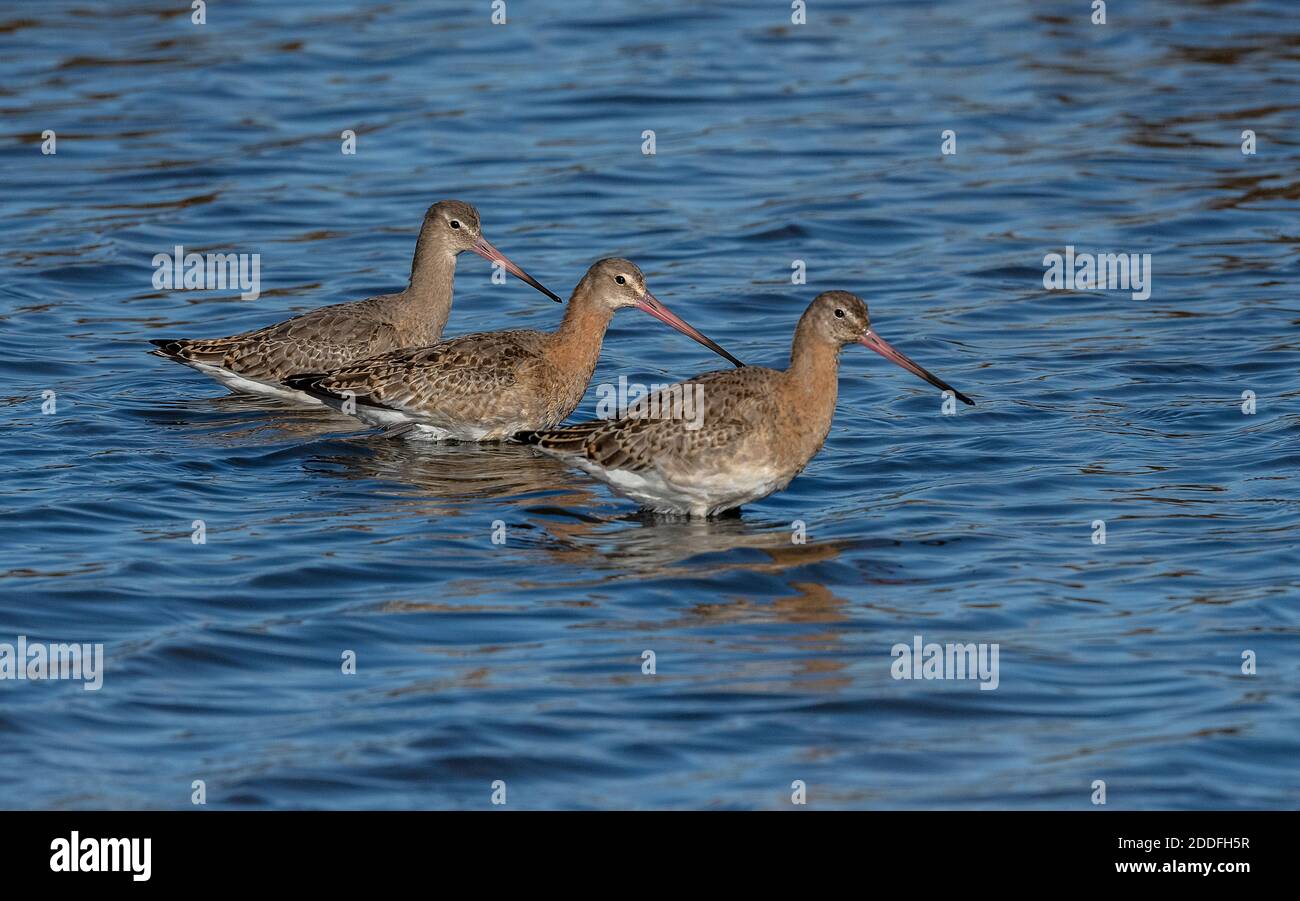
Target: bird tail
<point>168,348</point>
<point>309,383</point>
<point>563,439</point>
<point>191,350</point>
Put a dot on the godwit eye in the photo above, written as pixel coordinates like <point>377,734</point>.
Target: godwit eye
<point>620,280</point>
<point>839,314</point>
<point>455,223</point>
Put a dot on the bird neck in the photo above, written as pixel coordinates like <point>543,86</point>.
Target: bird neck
<point>812,357</point>
<point>574,347</point>
<point>433,273</point>
<point>813,375</point>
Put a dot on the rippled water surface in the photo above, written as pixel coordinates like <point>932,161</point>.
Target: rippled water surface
<point>775,142</point>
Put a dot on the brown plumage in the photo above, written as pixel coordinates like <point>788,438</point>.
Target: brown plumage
<point>487,386</point>
<point>723,439</point>
<point>333,336</point>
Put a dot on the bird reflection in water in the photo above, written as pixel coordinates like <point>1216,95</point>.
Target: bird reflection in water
<point>580,528</point>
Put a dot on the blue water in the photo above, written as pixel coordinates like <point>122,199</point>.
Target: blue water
<point>775,142</point>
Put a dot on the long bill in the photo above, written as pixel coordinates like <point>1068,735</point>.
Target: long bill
<point>882,347</point>
<point>651,305</point>
<point>484,248</point>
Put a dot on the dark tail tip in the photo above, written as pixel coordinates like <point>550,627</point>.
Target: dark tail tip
<point>306,381</point>
<point>309,383</point>
<point>527,437</point>
<point>167,347</point>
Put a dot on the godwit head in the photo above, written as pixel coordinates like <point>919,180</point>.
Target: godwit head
<point>841,318</point>
<point>453,227</point>
<point>617,283</point>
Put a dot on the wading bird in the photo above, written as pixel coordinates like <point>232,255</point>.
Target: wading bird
<point>487,386</point>
<point>760,427</point>
<point>257,362</point>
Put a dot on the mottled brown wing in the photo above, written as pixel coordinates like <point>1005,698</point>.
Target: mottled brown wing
<point>317,341</point>
<point>734,402</point>
<point>464,379</point>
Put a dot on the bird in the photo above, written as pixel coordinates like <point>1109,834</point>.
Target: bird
<point>256,362</point>
<point>489,385</point>
<point>753,429</point>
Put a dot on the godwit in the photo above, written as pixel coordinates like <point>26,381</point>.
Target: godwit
<point>488,386</point>
<point>256,362</point>
<point>758,430</point>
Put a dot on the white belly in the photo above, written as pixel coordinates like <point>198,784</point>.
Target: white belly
<point>413,427</point>
<point>242,385</point>
<point>424,432</point>
<point>699,497</point>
